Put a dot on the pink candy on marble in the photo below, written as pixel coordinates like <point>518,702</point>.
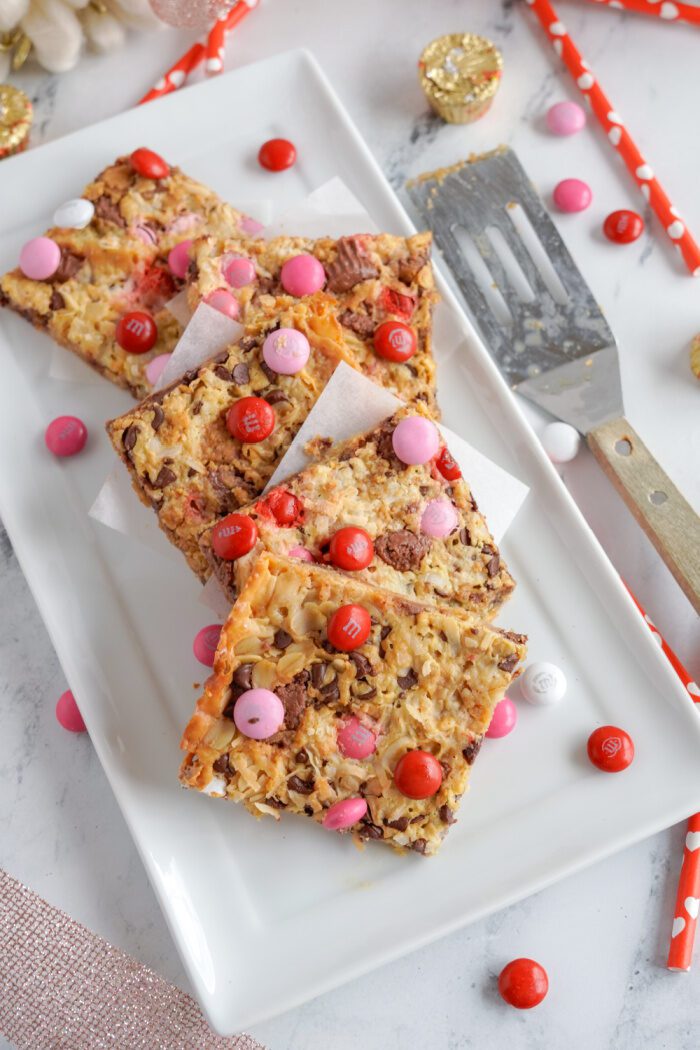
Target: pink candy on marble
<point>439,518</point>
<point>224,302</point>
<point>238,271</point>
<point>286,351</point>
<point>572,195</point>
<point>179,259</point>
<point>301,553</point>
<point>356,740</point>
<point>68,713</point>
<point>565,118</point>
<point>65,435</point>
<point>205,643</point>
<point>505,717</point>
<point>415,440</point>
<point>154,368</point>
<point>39,258</point>
<point>302,275</point>
<point>342,815</point>
<point>258,713</point>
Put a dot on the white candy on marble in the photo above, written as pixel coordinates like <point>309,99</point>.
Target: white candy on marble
<point>561,442</point>
<point>74,214</point>
<point>543,684</point>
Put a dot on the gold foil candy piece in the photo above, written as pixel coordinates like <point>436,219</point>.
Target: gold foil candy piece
<point>15,120</point>
<point>460,74</point>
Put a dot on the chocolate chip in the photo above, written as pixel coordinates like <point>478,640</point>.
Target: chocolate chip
<point>56,302</point>
<point>400,824</point>
<point>509,663</point>
<point>361,324</point>
<point>472,750</point>
<point>68,266</point>
<point>402,549</point>
<point>302,755</point>
<point>446,815</point>
<point>276,803</point>
<point>419,846</point>
<point>158,417</point>
<point>191,472</point>
<point>243,676</point>
<point>221,765</point>
<point>309,811</point>
<point>302,787</point>
<point>166,476</point>
<point>221,372</point>
<point>349,267</point>
<point>318,673</point>
<point>107,209</point>
<point>282,639</point>
<point>493,565</point>
<point>196,408</point>
<point>519,639</point>
<point>294,697</point>
<point>247,343</point>
<point>331,692</point>
<point>416,820</point>
<point>241,374</point>
<point>362,665</point>
<point>273,397</point>
<point>129,436</point>
<point>465,537</point>
<point>272,376</point>
<point>385,631</point>
<point>407,681</point>
<point>371,831</point>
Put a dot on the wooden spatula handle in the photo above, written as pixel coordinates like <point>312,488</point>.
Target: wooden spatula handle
<point>667,518</point>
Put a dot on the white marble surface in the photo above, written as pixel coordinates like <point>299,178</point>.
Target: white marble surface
<point>601,934</point>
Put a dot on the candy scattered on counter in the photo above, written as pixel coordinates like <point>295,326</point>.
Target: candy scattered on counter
<point>351,548</point>
<point>418,774</point>
<point>234,536</point>
<point>565,118</point>
<point>610,749</point>
<point>561,442</point>
<point>302,275</point>
<point>224,302</point>
<point>542,684</point>
<point>65,435</point>
<point>415,440</point>
<point>523,983</point>
<point>179,259</point>
<point>149,164</point>
<point>136,332</point>
<point>39,258</point>
<point>277,154</point>
<point>251,419</point>
<point>460,74</point>
<point>154,368</point>
<point>395,341</point>
<point>238,271</point>
<point>205,643</point>
<point>572,195</point>
<point>503,720</point>
<point>355,740</point>
<point>286,351</point>
<point>74,214</point>
<point>258,713</point>
<point>68,713</point>
<point>342,815</point>
<point>349,627</point>
<point>623,227</point>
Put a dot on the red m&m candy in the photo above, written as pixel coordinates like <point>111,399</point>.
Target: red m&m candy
<point>234,536</point>
<point>349,627</point>
<point>205,644</point>
<point>251,419</point>
<point>418,774</point>
<point>65,436</point>
<point>277,154</point>
<point>136,332</point>
<point>448,466</point>
<point>523,983</point>
<point>148,164</point>
<point>610,749</point>
<point>623,227</point>
<point>351,548</point>
<point>285,507</point>
<point>395,341</point>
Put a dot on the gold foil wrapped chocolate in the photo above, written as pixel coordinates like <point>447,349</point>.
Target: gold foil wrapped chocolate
<point>460,74</point>
<point>15,120</point>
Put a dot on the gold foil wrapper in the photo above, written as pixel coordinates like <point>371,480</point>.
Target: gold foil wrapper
<point>460,74</point>
<point>16,117</point>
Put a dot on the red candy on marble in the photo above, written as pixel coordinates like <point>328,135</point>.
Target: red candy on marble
<point>136,332</point>
<point>65,435</point>
<point>234,536</point>
<point>623,227</point>
<point>149,164</point>
<point>523,983</point>
<point>351,548</point>
<point>251,419</point>
<point>395,341</point>
<point>418,774</point>
<point>610,749</point>
<point>349,627</point>
<point>448,466</point>
<point>277,154</point>
<point>285,507</point>
<point>68,713</point>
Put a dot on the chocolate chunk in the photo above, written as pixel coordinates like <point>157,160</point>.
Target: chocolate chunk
<point>272,376</point>
<point>243,676</point>
<point>493,565</point>
<point>318,673</point>
<point>264,285</point>
<point>309,811</point>
<point>331,692</point>
<point>409,608</point>
<point>221,372</point>
<point>196,408</point>
<point>56,302</point>
<point>294,697</point>
<point>472,750</point>
<point>446,815</point>
<point>276,803</point>
<point>247,343</point>
<point>302,787</point>
<point>402,549</point>
<point>509,663</point>
<point>273,397</point>
<point>166,476</point>
<point>302,755</point>
<point>519,639</point>
<point>230,489</point>
<point>241,374</point>
<point>282,639</point>
<point>191,472</point>
<point>371,831</point>
<point>408,269</point>
<point>68,266</point>
<point>419,846</point>
<point>221,765</point>
<point>129,436</point>
<point>158,417</point>
<point>385,631</point>
<point>361,324</point>
<point>385,447</point>
<point>407,681</point>
<point>465,537</point>
<point>416,820</point>
<point>350,266</point>
<point>362,665</point>
<point>400,824</point>
<point>107,209</point>
<point>368,695</point>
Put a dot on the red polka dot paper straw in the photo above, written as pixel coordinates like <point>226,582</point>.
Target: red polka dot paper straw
<point>670,12</point>
<point>617,134</point>
<point>176,75</point>
<point>217,34</point>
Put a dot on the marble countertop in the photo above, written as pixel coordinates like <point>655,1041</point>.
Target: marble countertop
<point>603,933</point>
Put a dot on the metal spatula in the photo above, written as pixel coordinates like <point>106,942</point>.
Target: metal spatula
<point>556,348</point>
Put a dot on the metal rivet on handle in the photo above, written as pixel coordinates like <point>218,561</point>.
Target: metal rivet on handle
<point>623,447</point>
<point>657,498</point>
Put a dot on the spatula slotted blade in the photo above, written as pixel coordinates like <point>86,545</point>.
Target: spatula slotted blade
<point>561,355</point>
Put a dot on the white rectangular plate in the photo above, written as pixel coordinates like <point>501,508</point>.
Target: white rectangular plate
<point>267,915</point>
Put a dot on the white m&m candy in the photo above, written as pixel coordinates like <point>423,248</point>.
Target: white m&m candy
<point>542,684</point>
<point>561,442</point>
<point>74,214</point>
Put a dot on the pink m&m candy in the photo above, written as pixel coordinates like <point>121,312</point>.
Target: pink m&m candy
<point>286,351</point>
<point>68,714</point>
<point>65,435</point>
<point>505,716</point>
<point>205,643</point>
<point>301,553</point>
<point>439,518</point>
<point>238,271</point>
<point>572,195</point>
<point>39,258</point>
<point>356,740</point>
<point>342,815</point>
<point>415,440</point>
<point>302,275</point>
<point>258,713</point>
<point>179,259</point>
<point>224,302</point>
<point>565,118</point>
<point>251,227</point>
<point>154,368</point>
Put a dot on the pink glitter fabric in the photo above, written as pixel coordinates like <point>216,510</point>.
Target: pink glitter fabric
<point>64,988</point>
